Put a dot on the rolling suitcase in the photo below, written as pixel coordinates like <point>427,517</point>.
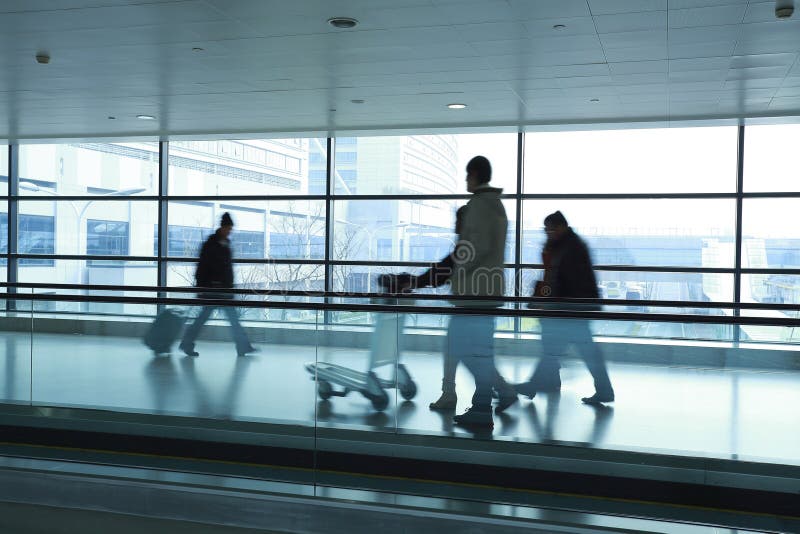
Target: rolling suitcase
<point>164,331</point>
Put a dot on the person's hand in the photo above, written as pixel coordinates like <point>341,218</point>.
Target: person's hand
<point>397,283</point>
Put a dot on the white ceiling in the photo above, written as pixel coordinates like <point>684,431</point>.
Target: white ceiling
<point>275,65</point>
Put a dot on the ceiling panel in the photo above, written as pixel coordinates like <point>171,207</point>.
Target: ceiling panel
<point>277,65</point>
<point>631,22</point>
<point>611,7</point>
<point>707,16</point>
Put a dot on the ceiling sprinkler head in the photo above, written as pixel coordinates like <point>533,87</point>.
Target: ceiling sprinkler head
<point>43,58</point>
<point>343,23</point>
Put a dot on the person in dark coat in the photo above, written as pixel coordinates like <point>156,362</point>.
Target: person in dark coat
<point>568,274</point>
<point>215,270</point>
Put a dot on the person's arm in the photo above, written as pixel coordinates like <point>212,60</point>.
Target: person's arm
<point>438,274</point>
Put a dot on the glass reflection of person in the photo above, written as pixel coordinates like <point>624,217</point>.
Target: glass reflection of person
<point>215,270</point>
<point>568,274</point>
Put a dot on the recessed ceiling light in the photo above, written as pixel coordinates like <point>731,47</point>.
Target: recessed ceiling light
<point>456,106</point>
<point>111,118</point>
<point>559,26</point>
<point>357,101</point>
<point>594,100</point>
<point>146,117</point>
<point>343,23</point>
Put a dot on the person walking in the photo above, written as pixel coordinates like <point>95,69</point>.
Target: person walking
<point>477,271</point>
<point>438,275</point>
<point>568,274</point>
<point>215,270</point>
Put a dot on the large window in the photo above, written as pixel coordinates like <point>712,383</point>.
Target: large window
<point>664,160</point>
<point>91,169</point>
<point>420,164</point>
<point>106,238</point>
<point>658,208</point>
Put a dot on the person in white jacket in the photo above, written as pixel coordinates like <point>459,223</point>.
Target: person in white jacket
<point>475,269</point>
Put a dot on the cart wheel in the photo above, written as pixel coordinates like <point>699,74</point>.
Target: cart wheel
<point>380,402</point>
<point>375,393</point>
<point>408,390</point>
<point>324,389</point>
<point>407,387</point>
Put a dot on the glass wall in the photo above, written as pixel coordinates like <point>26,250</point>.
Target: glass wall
<point>658,208</point>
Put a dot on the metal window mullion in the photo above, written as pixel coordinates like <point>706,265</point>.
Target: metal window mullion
<point>12,264</point>
<point>737,260</point>
<point>328,268</point>
<point>163,219</point>
<point>518,230</point>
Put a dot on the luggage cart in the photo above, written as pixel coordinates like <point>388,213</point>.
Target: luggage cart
<point>384,350</point>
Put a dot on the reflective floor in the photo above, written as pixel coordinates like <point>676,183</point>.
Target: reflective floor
<point>713,412</point>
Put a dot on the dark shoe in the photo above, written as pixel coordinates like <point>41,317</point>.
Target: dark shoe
<point>530,389</point>
<point>506,398</point>
<point>189,350</point>
<point>598,399</point>
<point>249,350</point>
<point>475,418</point>
<point>447,401</point>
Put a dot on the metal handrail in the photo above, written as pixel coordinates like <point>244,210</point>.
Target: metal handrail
<point>394,308</point>
<point>537,301</point>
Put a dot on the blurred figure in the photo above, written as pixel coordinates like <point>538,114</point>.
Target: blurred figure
<point>215,270</point>
<point>477,270</point>
<point>568,274</point>
<point>438,275</point>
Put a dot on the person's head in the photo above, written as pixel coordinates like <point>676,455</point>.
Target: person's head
<point>555,226</point>
<point>460,214</point>
<point>479,172</point>
<point>225,224</point>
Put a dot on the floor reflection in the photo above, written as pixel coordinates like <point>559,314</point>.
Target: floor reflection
<point>715,411</point>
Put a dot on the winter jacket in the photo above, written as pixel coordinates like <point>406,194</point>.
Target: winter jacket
<point>215,267</point>
<point>570,272</point>
<point>480,252</point>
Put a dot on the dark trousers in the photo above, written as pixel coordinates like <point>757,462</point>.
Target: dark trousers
<point>452,359</point>
<point>470,339</point>
<point>239,335</point>
<point>557,334</point>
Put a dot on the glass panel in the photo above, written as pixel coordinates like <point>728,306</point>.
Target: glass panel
<point>109,367</point>
<point>420,164</point>
<point>664,160</point>
<point>3,170</point>
<point>644,370</point>
<point>92,227</point>
<point>770,237</point>
<point>699,287</point>
<point>248,167</point>
<point>95,272</point>
<point>15,349</point>
<point>269,276</point>
<point>356,374</point>
<point>3,236</point>
<point>293,229</point>
<point>771,289</point>
<point>102,169</point>
<point>766,167</point>
<point>402,230</point>
<point>650,232</point>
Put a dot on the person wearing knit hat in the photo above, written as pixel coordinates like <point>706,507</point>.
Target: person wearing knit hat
<point>215,271</point>
<point>568,274</point>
